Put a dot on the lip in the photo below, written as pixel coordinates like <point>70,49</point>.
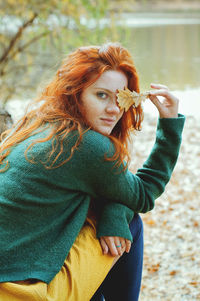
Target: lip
<point>108,121</point>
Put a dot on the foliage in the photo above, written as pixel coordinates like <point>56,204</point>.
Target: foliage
<point>35,35</point>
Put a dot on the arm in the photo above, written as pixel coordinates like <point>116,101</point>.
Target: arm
<point>114,220</point>
<point>113,228</point>
<point>151,180</point>
<point>136,191</point>
<point>94,176</point>
<point>105,228</point>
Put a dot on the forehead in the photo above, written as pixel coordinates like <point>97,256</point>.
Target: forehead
<point>111,80</point>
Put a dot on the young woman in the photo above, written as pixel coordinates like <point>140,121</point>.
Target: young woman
<point>68,203</point>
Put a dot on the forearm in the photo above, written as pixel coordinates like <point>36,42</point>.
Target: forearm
<point>158,168</point>
<point>114,220</point>
<point>100,178</point>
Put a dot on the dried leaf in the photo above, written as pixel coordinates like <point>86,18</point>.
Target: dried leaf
<point>127,98</point>
<point>195,283</point>
<point>150,222</point>
<point>154,268</point>
<point>196,224</point>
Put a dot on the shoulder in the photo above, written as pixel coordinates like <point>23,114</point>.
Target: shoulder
<point>94,146</point>
<point>97,141</point>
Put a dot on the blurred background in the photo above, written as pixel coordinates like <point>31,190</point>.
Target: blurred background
<point>163,37</point>
<point>164,40</point>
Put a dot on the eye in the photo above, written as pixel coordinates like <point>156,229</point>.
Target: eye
<point>102,95</point>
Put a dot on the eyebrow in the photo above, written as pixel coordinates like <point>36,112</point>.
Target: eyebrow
<point>99,88</point>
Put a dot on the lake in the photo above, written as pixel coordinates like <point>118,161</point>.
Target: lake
<point>166,49</point>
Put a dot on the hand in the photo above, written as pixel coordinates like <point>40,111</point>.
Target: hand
<point>168,108</point>
<point>115,245</point>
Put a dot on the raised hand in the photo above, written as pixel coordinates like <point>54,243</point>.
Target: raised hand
<point>168,107</point>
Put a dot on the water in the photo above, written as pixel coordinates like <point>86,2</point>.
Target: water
<point>167,54</point>
<point>167,50</point>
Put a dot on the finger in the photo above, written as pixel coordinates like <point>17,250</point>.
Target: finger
<point>167,108</point>
<point>110,241</point>
<point>103,246</point>
<point>128,245</point>
<point>118,245</point>
<point>156,102</point>
<point>159,86</point>
<point>161,92</point>
<point>122,242</point>
<point>165,93</point>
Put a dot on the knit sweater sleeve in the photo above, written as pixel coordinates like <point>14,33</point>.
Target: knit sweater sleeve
<point>102,178</point>
<point>115,218</point>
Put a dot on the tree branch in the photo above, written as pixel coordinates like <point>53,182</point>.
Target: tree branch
<point>20,49</point>
<point>16,38</point>
<point>14,69</point>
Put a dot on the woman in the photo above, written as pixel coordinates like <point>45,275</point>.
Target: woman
<point>70,153</point>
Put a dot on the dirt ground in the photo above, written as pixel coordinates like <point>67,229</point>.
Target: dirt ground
<point>172,230</point>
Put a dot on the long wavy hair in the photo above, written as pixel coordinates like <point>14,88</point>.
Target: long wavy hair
<point>58,106</point>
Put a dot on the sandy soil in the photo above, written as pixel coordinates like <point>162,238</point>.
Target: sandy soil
<point>172,229</point>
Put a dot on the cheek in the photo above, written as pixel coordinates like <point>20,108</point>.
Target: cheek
<point>85,104</point>
<point>120,115</point>
<point>89,113</point>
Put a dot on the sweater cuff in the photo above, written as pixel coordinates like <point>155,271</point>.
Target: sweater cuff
<point>114,221</point>
<point>172,125</point>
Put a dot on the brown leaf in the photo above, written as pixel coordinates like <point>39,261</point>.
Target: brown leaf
<point>150,222</point>
<point>194,283</point>
<point>127,98</point>
<point>195,224</point>
<point>154,268</point>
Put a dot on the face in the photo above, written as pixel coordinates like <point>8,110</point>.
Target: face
<point>99,101</point>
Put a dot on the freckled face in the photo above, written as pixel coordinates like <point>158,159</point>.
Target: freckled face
<point>99,101</point>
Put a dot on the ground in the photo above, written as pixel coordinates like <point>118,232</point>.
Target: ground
<point>172,229</point>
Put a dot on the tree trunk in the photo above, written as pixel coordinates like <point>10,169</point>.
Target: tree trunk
<point>5,120</point>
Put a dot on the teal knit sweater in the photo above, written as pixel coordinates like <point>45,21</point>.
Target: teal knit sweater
<point>42,210</point>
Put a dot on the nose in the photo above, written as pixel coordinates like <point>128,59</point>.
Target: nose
<point>112,107</point>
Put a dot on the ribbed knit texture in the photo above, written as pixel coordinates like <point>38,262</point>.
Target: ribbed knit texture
<point>42,210</point>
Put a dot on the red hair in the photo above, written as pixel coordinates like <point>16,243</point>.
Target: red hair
<point>60,103</point>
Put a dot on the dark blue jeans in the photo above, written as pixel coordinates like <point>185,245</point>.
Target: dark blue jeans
<point>124,279</point>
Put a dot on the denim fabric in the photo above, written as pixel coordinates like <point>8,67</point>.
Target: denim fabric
<point>124,279</point>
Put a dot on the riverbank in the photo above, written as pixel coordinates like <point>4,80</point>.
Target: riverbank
<point>172,229</point>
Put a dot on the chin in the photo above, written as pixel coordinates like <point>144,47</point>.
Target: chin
<point>105,132</point>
